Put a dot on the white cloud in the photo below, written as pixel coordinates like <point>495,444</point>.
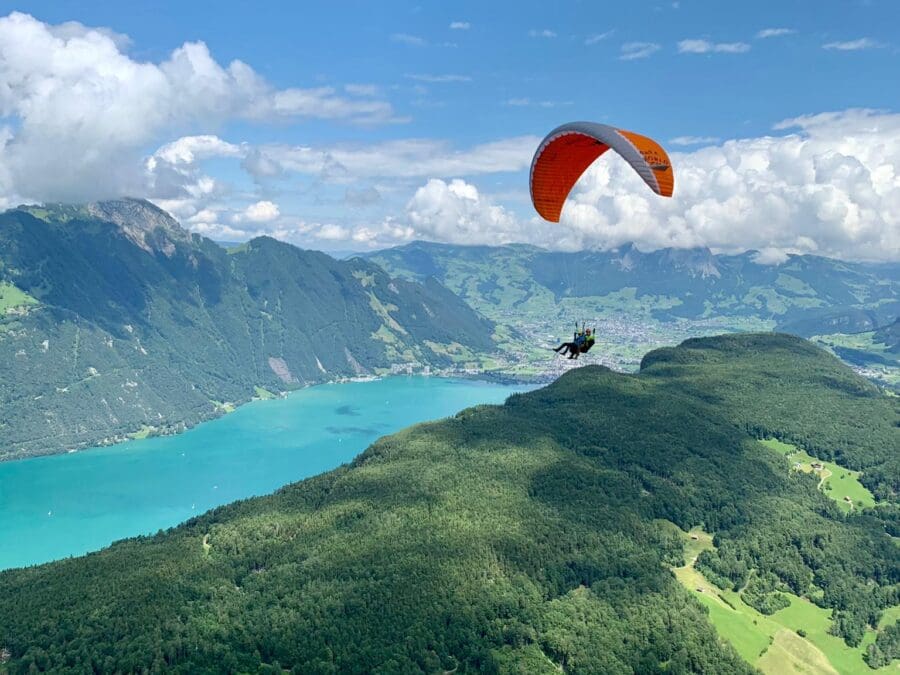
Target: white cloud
<point>706,47</point>
<point>191,149</point>
<point>598,37</point>
<point>455,212</point>
<point>323,103</point>
<point>694,140</point>
<point>526,102</point>
<point>331,232</point>
<point>853,45</point>
<point>75,29</point>
<point>173,172</point>
<point>827,184</point>
<point>774,32</point>
<point>438,79</point>
<point>208,223</point>
<point>460,25</point>
<point>411,158</point>
<point>81,105</point>
<point>261,212</point>
<point>831,187</point>
<point>407,39</point>
<point>362,89</point>
<point>544,33</point>
<point>638,50</point>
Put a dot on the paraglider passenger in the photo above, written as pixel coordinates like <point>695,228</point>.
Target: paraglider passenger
<point>581,344</point>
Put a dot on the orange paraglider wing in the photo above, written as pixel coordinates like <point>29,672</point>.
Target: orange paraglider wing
<point>569,150</point>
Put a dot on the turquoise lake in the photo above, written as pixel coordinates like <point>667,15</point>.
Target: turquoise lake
<point>63,505</point>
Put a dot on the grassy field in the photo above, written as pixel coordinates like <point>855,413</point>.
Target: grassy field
<point>772,643</point>
<point>144,432</point>
<point>841,484</point>
<point>224,406</point>
<point>11,297</point>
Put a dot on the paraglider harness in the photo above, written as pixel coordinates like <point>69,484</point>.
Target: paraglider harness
<point>584,338</point>
<point>581,343</point>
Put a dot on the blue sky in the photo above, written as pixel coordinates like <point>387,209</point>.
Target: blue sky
<point>466,75</point>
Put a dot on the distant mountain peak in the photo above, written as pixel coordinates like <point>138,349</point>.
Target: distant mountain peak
<point>698,261</point>
<point>144,223</point>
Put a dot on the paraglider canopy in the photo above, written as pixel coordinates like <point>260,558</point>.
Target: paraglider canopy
<point>569,150</point>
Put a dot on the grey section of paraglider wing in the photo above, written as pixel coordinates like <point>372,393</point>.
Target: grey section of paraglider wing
<point>603,133</point>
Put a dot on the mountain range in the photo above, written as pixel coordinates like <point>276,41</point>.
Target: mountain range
<point>115,320</point>
<point>805,295</point>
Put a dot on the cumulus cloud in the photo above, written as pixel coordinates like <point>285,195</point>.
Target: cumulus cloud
<point>774,32</point>
<point>209,223</point>
<point>706,47</point>
<point>828,184</point>
<point>81,110</point>
<point>544,33</point>
<point>460,25</point>
<point>830,187</point>
<point>455,212</point>
<point>173,173</point>
<point>261,212</point>
<point>191,149</point>
<point>638,50</point>
<point>853,45</point>
<point>332,232</point>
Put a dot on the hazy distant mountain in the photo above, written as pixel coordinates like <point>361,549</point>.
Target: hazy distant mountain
<point>535,537</point>
<point>806,295</point>
<point>113,318</point>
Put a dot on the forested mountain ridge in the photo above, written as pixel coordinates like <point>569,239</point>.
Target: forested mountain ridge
<point>889,336</point>
<point>805,295</point>
<point>529,537</point>
<point>113,318</point>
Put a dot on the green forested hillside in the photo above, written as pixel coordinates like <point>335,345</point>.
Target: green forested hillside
<point>114,319</point>
<point>537,536</point>
<point>889,336</point>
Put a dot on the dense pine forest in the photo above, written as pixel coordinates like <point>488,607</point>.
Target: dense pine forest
<point>536,536</point>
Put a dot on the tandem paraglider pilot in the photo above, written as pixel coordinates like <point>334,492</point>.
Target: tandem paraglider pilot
<point>580,344</point>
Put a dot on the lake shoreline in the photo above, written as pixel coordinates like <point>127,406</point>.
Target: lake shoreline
<point>55,506</point>
<point>224,408</point>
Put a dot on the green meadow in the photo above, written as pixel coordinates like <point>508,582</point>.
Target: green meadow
<point>12,297</point>
<point>773,643</point>
<point>841,484</point>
